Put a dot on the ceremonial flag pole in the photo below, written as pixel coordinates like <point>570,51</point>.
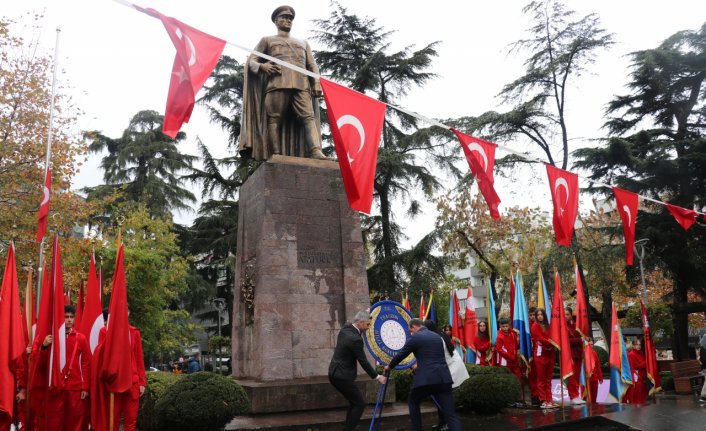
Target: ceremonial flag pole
<point>47,169</point>
<point>29,319</point>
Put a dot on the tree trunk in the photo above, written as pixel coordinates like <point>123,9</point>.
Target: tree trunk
<point>680,343</point>
<point>385,214</point>
<point>607,313</point>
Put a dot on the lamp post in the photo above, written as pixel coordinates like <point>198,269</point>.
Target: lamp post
<point>219,304</point>
<point>641,255</point>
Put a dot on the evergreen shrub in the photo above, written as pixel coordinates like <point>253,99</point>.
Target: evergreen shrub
<point>487,390</point>
<point>157,383</point>
<point>201,401</point>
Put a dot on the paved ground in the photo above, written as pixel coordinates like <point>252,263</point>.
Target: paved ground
<point>667,413</point>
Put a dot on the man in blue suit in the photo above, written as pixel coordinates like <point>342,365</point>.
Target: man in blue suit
<point>432,376</point>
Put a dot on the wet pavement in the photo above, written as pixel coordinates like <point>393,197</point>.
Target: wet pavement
<point>667,413</point>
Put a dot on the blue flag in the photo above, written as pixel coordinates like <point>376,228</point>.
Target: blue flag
<point>620,374</point>
<point>521,322</point>
<point>492,318</point>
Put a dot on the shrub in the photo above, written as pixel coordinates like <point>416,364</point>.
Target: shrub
<point>203,401</point>
<point>488,389</point>
<point>157,383</point>
<point>667,380</point>
<point>602,355</point>
<point>403,382</point>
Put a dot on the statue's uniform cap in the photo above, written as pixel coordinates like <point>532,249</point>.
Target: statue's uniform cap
<point>282,9</point>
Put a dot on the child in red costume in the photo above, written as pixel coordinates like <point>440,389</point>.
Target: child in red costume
<point>505,350</point>
<point>637,394</point>
<point>597,376</point>
<point>482,343</point>
<point>543,358</point>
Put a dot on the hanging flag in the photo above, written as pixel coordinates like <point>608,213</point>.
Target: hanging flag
<point>521,323</point>
<point>470,327</point>
<point>93,311</point>
<point>431,308</point>
<point>422,308</point>
<point>197,54</point>
<point>30,316</point>
<point>492,317</point>
<point>12,336</point>
<point>116,371</point>
<point>581,305</point>
<point>480,155</point>
<point>565,196</point>
<point>512,297</point>
<point>543,299</point>
<point>627,204</point>
<point>356,122</point>
<point>457,334</point>
<point>653,377</point>
<point>620,374</point>
<point>79,307</point>
<point>57,352</point>
<point>44,208</point>
<point>558,331</point>
<point>685,217</point>
<point>405,302</point>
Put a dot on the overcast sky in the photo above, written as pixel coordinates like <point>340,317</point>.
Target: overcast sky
<point>116,61</point>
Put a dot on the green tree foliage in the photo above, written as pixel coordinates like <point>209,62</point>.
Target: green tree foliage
<point>561,48</point>
<point>156,276</point>
<point>357,53</point>
<point>144,165</point>
<point>657,148</point>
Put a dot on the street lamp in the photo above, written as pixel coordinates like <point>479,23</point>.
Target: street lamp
<point>641,255</point>
<point>219,304</point>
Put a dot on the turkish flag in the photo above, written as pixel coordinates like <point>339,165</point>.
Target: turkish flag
<point>480,156</point>
<point>356,122</point>
<point>44,208</point>
<point>565,195</point>
<point>558,331</point>
<point>197,53</point>
<point>92,320</point>
<point>627,203</point>
<point>650,354</point>
<point>116,369</point>
<point>470,328</point>
<point>57,352</point>
<point>12,337</point>
<point>581,305</point>
<point>457,324</point>
<point>685,217</point>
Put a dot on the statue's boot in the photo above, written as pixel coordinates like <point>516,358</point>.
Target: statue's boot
<point>313,140</point>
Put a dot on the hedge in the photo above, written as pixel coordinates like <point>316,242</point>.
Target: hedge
<point>201,401</point>
<point>487,390</point>
<point>157,383</point>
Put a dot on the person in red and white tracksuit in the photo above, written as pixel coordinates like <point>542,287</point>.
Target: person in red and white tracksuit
<point>65,408</point>
<point>576,345</point>
<point>505,349</point>
<point>543,358</point>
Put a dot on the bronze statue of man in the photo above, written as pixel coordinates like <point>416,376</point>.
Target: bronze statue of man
<point>280,105</point>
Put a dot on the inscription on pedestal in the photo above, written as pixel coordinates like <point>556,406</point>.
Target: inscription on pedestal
<point>318,259</point>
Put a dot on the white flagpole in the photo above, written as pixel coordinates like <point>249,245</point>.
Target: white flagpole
<point>47,162</point>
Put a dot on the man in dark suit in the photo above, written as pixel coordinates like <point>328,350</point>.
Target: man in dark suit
<point>432,376</point>
<point>343,368</point>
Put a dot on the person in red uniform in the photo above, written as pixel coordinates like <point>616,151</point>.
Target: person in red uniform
<point>65,408</point>
<point>638,367</point>
<point>127,404</point>
<point>597,376</point>
<point>482,343</point>
<point>532,375</point>
<point>505,350</point>
<point>576,345</point>
<point>543,358</point>
<point>20,372</point>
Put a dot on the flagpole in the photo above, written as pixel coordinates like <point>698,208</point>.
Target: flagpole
<point>28,319</point>
<point>47,161</point>
<point>111,415</point>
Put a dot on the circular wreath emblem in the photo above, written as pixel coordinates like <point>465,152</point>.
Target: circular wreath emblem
<point>388,332</point>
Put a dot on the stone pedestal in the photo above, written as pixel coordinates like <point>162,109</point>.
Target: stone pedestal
<point>300,270</point>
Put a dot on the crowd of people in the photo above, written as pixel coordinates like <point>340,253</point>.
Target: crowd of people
<point>432,375</point>
<point>45,406</point>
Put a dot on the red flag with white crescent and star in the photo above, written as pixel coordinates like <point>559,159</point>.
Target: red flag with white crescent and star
<point>356,122</point>
<point>480,155</point>
<point>197,53</point>
<point>685,217</point>
<point>565,196</point>
<point>44,208</point>
<point>627,203</point>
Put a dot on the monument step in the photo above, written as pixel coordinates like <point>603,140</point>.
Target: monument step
<point>395,417</point>
<point>313,393</point>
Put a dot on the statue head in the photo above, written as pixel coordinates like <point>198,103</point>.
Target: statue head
<point>283,10</point>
